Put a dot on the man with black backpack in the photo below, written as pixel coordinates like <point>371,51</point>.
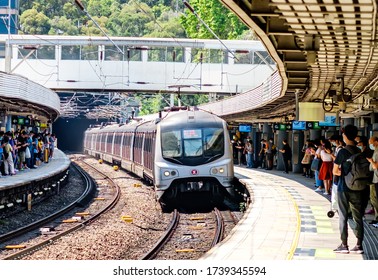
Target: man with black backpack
<point>373,144</point>
<point>351,194</point>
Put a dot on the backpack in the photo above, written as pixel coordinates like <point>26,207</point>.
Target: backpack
<point>274,150</point>
<point>356,172</point>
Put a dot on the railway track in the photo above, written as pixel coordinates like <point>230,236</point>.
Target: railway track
<point>193,231</point>
<point>77,222</point>
<point>112,237</point>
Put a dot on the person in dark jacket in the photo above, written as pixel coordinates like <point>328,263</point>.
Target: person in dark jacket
<point>286,155</point>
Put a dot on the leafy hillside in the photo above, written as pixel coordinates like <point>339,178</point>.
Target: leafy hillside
<point>134,18</point>
<point>139,18</point>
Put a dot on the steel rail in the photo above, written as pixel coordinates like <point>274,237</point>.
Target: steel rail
<point>49,241</point>
<point>164,239</point>
<point>219,230</point>
<point>87,192</point>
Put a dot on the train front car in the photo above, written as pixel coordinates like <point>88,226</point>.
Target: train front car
<point>193,154</point>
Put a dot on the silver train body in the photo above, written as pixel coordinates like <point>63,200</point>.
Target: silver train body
<point>184,151</point>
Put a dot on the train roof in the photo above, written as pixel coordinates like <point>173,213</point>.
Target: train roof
<point>191,116</point>
<point>170,118</point>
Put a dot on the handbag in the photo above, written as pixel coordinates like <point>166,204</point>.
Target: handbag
<point>316,164</point>
<point>306,159</point>
<point>27,153</point>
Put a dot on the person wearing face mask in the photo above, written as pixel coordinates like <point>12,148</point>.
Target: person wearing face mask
<point>349,199</point>
<point>362,142</point>
<point>373,145</point>
<point>337,144</point>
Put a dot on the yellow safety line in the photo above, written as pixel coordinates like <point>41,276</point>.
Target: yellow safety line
<point>294,244</point>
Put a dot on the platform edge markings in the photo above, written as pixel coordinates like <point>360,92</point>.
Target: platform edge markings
<point>266,180</point>
<point>58,164</point>
<point>259,190</point>
<point>253,214</point>
<point>321,235</point>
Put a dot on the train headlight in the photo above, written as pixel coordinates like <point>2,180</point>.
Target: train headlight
<point>219,170</point>
<point>169,173</point>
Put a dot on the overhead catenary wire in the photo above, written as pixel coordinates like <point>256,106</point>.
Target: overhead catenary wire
<point>208,28</point>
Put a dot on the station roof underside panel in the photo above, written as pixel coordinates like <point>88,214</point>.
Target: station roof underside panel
<point>20,96</point>
<point>319,46</point>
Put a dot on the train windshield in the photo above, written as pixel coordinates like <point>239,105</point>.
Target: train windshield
<point>193,146</point>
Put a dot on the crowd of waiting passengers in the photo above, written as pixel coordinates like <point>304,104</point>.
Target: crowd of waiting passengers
<point>324,159</point>
<point>23,150</point>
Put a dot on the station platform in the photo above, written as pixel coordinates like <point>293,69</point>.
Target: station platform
<point>56,165</point>
<point>287,220</point>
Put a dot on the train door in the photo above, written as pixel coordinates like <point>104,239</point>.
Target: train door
<point>97,142</point>
<point>111,142</point>
<point>126,146</point>
<point>132,146</point>
<point>138,144</point>
<point>143,151</point>
<point>117,144</point>
<point>147,150</point>
<point>102,142</point>
<point>122,135</point>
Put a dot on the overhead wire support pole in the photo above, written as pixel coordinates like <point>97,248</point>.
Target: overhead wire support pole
<point>81,7</point>
<point>208,28</point>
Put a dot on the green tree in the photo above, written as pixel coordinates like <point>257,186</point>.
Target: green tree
<point>131,20</point>
<point>90,29</point>
<point>193,99</point>
<point>220,20</point>
<point>102,7</point>
<point>166,25</point>
<point>34,22</point>
<point>50,8</point>
<point>152,103</point>
<point>63,26</point>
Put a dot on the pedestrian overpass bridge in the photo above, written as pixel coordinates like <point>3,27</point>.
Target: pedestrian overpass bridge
<point>95,64</point>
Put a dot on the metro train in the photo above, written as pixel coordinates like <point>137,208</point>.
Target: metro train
<point>183,151</point>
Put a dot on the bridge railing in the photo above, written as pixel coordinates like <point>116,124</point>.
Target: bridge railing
<point>262,94</point>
